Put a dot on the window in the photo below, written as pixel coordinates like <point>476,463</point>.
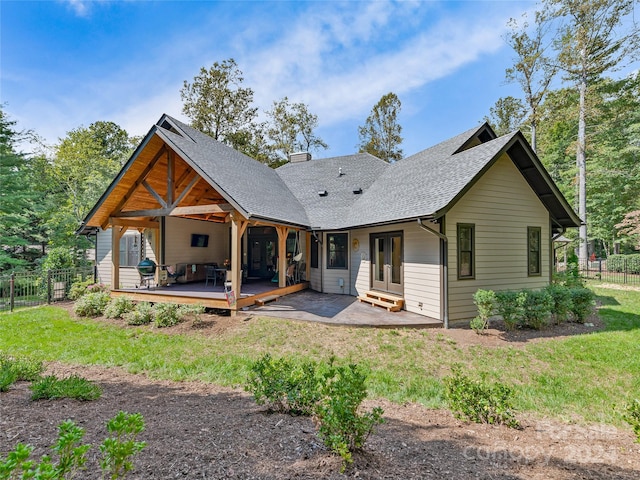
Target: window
<point>466,250</point>
<point>314,252</point>
<point>534,256</point>
<point>130,250</point>
<point>337,250</point>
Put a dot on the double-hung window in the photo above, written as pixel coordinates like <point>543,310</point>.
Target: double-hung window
<point>534,235</point>
<point>466,250</point>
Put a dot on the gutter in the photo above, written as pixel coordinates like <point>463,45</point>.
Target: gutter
<point>444,245</point>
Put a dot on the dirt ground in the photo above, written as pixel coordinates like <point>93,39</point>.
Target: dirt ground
<point>196,430</point>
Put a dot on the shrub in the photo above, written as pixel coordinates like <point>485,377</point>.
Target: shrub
<point>341,425</point>
<point>284,386</point>
<point>166,314</point>
<point>537,309</point>
<point>117,452</point>
<point>485,301</point>
<point>141,315</point>
<point>91,304</point>
<point>51,387</point>
<point>24,368</point>
<point>58,258</point>
<point>479,401</point>
<point>118,306</point>
<point>571,276</point>
<point>562,302</point>
<point>632,416</point>
<point>621,263</point>
<point>582,302</point>
<point>78,289</point>
<point>191,311</point>
<point>510,305</point>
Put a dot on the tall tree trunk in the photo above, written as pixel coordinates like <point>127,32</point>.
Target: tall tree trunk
<point>534,141</point>
<point>582,171</point>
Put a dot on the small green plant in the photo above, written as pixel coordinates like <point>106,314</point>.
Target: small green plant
<point>92,304</point>
<point>509,305</point>
<point>284,386</point>
<point>537,308</point>
<point>7,378</point>
<point>117,452</point>
<point>51,387</point>
<point>479,401</point>
<point>118,307</point>
<point>166,314</point>
<point>341,424</point>
<point>191,311</point>
<point>13,369</point>
<point>485,300</point>
<point>632,416</point>
<point>118,449</point>
<point>141,315</point>
<point>562,302</point>
<point>78,289</point>
<point>582,302</point>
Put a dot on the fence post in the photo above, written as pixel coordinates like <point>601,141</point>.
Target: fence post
<point>49,286</point>
<point>95,274</point>
<point>624,265</point>
<point>12,290</point>
<point>600,268</point>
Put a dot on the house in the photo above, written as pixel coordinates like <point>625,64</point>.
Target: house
<point>475,211</point>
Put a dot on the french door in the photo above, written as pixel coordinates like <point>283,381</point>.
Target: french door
<point>386,262</point>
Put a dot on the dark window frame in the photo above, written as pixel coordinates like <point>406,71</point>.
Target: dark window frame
<point>340,249</point>
<point>472,251</point>
<point>531,251</point>
<point>315,253</point>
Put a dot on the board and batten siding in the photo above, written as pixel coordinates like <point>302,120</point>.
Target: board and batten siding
<point>420,266</point>
<point>501,205</point>
<point>177,241</point>
<point>129,277</point>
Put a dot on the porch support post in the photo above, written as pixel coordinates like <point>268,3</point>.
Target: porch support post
<point>238,227</point>
<point>116,235</point>
<point>283,232</point>
<point>307,256</point>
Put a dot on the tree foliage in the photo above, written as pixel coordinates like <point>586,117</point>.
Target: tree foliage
<point>506,115</point>
<point>380,135</point>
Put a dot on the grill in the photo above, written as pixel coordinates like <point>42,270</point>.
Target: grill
<point>147,270</point>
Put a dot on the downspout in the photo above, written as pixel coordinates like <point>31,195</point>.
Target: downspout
<point>320,264</point>
<point>552,250</point>
<point>444,245</point>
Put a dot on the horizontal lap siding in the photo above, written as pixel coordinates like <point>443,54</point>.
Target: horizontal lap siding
<point>501,205</point>
<point>129,276</point>
<point>178,247</point>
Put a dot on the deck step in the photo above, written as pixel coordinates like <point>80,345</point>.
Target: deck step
<point>392,303</point>
<point>262,301</point>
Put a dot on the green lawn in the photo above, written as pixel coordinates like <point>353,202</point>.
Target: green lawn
<point>577,378</point>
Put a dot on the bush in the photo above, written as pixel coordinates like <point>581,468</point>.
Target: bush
<point>284,386</point>
<point>479,401</point>
<point>91,304</point>
<point>51,387</point>
<point>24,368</point>
<point>485,301</point>
<point>342,426</point>
<point>632,416</point>
<point>562,302</point>
<point>141,315</point>
<point>621,263</point>
<point>510,306</point>
<point>536,309</point>
<point>191,311</point>
<point>166,314</point>
<point>117,452</point>
<point>582,302</point>
<point>78,289</point>
<point>58,258</point>
<point>118,306</point>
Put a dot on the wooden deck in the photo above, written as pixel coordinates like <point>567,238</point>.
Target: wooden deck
<point>208,296</point>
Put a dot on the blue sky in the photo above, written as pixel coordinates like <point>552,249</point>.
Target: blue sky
<point>65,64</point>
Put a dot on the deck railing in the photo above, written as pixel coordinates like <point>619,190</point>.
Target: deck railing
<point>24,289</point>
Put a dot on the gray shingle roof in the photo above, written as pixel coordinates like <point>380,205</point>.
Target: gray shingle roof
<point>250,185</point>
<point>306,179</point>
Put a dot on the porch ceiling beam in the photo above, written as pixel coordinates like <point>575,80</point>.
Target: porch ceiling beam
<point>143,176</point>
<point>178,211</point>
<point>123,222</point>
<point>155,194</point>
<point>187,189</point>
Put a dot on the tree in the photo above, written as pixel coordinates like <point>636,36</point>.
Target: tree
<point>532,69</point>
<point>630,226</point>
<point>506,115</point>
<point>217,104</point>
<point>291,129</point>
<point>589,45</point>
<point>380,135</point>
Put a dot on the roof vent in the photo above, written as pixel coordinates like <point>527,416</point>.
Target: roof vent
<point>357,191</point>
<point>340,172</point>
<point>299,157</point>
<point>323,193</point>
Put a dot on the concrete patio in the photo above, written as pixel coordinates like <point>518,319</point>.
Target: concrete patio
<point>334,309</point>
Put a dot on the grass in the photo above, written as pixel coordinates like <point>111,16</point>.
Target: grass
<point>51,387</point>
<point>576,378</point>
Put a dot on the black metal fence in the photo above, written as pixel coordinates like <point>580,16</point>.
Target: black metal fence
<point>621,273</point>
<point>24,289</point>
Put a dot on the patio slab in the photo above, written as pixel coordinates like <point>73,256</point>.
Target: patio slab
<point>340,310</point>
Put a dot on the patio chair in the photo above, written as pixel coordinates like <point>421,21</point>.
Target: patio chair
<point>227,281</point>
<point>210,274</point>
<point>291,274</point>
